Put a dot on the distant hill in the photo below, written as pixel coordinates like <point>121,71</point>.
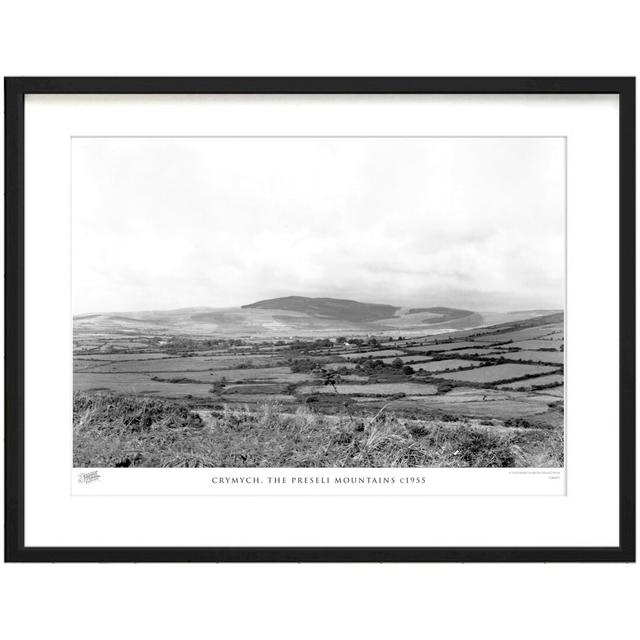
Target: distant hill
<point>295,316</point>
<point>441,314</point>
<point>538,312</point>
<point>533,321</point>
<point>329,308</point>
<point>123,318</point>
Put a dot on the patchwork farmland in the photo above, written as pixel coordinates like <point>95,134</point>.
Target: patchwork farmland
<point>196,400</point>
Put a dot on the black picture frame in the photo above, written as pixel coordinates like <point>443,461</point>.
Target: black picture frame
<point>15,91</point>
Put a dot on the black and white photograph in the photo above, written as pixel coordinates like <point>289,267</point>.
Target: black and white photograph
<point>320,319</point>
<point>318,302</point>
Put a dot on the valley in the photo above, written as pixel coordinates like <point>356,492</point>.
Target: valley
<point>330,373</point>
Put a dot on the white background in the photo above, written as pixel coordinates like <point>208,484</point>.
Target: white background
<point>328,38</point>
<point>586,516</point>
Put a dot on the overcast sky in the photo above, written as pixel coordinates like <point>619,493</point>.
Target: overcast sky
<point>165,223</point>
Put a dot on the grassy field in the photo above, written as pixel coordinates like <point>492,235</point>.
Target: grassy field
<point>557,337</point>
<point>446,365</point>
<point>383,353</point>
<point>542,343</point>
<point>474,384</point>
<point>427,348</point>
<point>102,358</point>
<point>407,359</point>
<point>112,431</point>
<point>499,372</point>
<point>483,352</point>
<point>192,363</point>
<point>543,381</point>
<point>552,357</point>
<point>375,389</point>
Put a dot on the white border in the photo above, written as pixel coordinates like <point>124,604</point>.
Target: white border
<point>586,516</point>
<point>358,481</point>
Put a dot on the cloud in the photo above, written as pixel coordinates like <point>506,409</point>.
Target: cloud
<point>165,223</point>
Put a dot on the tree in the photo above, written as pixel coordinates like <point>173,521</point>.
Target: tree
<point>330,378</point>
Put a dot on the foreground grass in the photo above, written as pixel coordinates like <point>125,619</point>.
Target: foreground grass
<point>123,431</point>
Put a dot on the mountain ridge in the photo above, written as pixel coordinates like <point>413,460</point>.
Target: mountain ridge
<point>330,308</point>
<point>294,316</point>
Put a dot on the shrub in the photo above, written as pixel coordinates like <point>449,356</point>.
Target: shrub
<point>521,423</point>
<point>476,446</point>
<point>418,429</point>
<point>303,365</point>
<point>111,430</point>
